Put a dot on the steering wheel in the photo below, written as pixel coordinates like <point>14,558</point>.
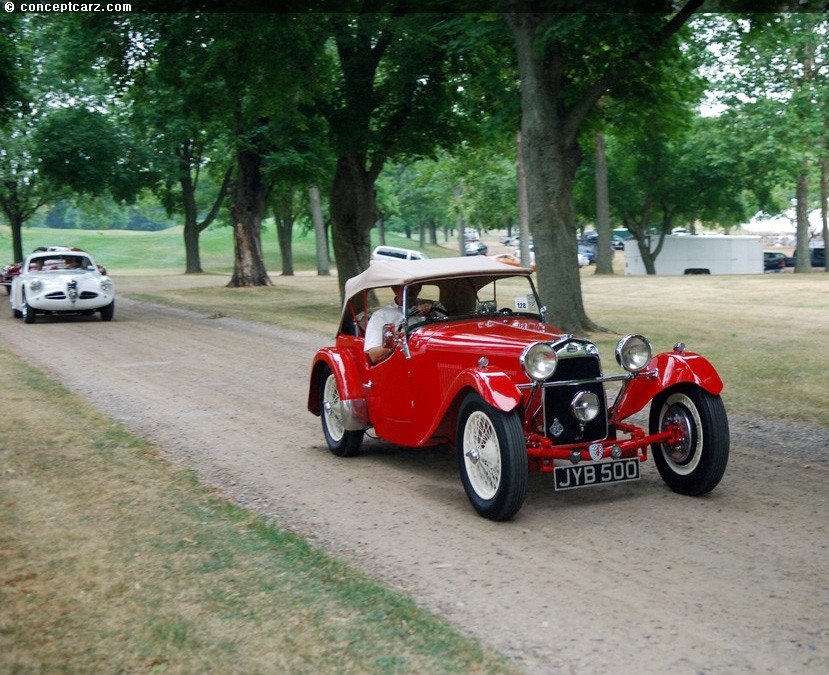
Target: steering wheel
<point>506,311</point>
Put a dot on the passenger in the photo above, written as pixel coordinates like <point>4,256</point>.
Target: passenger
<point>34,266</point>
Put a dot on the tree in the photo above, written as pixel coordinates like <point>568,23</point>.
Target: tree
<point>55,142</point>
<point>776,91</point>
<point>567,62</point>
<point>393,96</point>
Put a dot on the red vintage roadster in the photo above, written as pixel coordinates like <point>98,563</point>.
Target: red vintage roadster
<point>488,376</point>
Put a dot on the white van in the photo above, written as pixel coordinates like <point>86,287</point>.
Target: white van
<point>384,253</point>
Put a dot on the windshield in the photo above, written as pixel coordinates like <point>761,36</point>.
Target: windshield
<point>59,263</point>
<point>467,297</point>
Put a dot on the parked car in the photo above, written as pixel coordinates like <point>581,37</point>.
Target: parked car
<point>774,261</point>
<point>8,272</point>
<point>514,240</point>
<point>817,256</point>
<point>58,282</point>
<point>475,247</point>
<point>589,251</point>
<point>510,259</point>
<point>582,259</point>
<point>386,253</point>
<point>493,379</point>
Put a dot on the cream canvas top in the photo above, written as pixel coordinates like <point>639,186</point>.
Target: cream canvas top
<point>402,272</point>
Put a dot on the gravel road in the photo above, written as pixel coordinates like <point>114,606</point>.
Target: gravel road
<point>628,578</point>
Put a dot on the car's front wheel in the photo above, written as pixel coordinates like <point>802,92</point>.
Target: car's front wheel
<point>27,312</point>
<point>492,457</point>
<point>108,311</point>
<point>341,442</point>
<point>696,463</point>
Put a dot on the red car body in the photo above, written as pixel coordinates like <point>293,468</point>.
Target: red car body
<point>476,379</point>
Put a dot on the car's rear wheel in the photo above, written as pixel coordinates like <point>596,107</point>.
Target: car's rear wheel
<point>27,312</point>
<point>341,442</point>
<point>108,311</point>
<point>696,464</point>
<point>492,457</point>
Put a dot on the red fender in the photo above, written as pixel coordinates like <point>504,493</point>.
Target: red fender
<point>495,387</point>
<point>345,371</point>
<point>670,368</point>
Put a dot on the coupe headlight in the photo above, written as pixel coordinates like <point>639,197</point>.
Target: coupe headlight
<point>106,285</point>
<point>35,285</point>
<point>539,361</point>
<point>633,353</point>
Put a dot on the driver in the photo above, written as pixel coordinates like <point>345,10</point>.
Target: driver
<point>393,314</point>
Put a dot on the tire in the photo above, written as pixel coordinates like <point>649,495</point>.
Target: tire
<point>492,458</point>
<point>697,464</point>
<point>27,312</point>
<point>341,442</point>
<point>108,311</point>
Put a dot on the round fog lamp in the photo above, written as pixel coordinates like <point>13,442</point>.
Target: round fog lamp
<point>585,406</point>
<point>539,361</point>
<point>633,353</point>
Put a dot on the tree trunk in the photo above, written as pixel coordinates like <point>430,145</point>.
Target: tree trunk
<point>523,208</point>
<point>459,221</point>
<point>246,212</point>
<point>283,216</point>
<point>551,156</point>
<point>192,254</point>
<point>323,262</point>
<point>604,256</point>
<point>824,204</point>
<point>803,262</point>
<point>192,227</point>
<point>16,225</point>
<point>353,206</point>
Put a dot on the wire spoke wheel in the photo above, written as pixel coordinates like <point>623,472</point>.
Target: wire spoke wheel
<point>341,441</point>
<point>492,458</point>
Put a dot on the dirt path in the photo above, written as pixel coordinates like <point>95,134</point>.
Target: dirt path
<point>628,578</point>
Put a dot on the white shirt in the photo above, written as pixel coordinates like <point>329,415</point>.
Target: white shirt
<point>391,313</point>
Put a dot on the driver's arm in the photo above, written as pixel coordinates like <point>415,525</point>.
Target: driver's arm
<point>377,354</point>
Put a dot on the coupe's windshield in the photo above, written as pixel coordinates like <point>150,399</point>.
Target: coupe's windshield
<point>59,263</point>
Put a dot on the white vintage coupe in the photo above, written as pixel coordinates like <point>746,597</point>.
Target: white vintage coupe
<point>57,282</point>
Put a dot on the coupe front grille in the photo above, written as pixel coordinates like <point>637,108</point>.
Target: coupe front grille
<point>88,295</point>
<point>559,424</point>
<point>56,295</point>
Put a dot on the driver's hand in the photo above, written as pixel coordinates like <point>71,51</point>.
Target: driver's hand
<point>424,307</point>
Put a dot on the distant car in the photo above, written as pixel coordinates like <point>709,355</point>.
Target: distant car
<point>582,259</point>
<point>510,259</point>
<point>817,256</point>
<point>385,253</point>
<point>774,261</point>
<point>8,272</point>
<point>490,377</point>
<point>475,247</point>
<point>60,282</point>
<point>589,251</point>
<point>514,240</point>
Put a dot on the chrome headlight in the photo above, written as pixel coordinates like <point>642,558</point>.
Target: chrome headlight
<point>539,361</point>
<point>35,285</point>
<point>633,353</point>
<point>585,406</point>
<point>106,285</point>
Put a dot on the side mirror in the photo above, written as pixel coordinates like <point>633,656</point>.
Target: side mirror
<point>388,336</point>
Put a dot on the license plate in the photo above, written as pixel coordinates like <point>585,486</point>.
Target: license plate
<point>596,473</point>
